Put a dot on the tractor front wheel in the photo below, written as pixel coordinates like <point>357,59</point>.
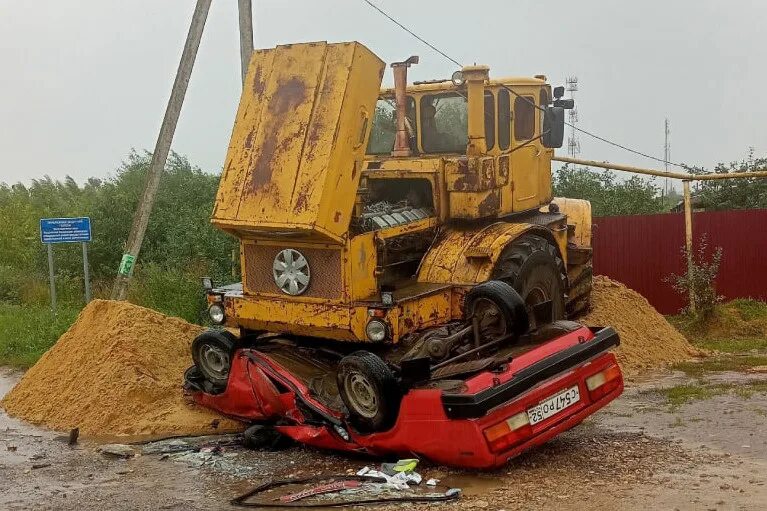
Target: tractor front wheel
<point>212,353</point>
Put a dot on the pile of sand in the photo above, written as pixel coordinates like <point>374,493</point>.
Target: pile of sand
<point>117,371</point>
<point>647,339</point>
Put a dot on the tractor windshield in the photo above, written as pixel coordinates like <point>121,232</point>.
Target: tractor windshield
<point>444,123</point>
<point>384,128</point>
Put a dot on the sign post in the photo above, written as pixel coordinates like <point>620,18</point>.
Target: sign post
<point>51,276</point>
<point>66,230</point>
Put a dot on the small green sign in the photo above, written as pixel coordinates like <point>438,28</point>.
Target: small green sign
<point>126,264</point>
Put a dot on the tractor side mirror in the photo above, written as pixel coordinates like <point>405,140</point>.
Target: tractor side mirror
<point>553,126</point>
<point>559,92</point>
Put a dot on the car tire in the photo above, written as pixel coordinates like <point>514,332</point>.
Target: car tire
<point>261,437</point>
<point>369,390</point>
<point>212,353</point>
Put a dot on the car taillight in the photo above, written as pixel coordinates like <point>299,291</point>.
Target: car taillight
<point>603,382</point>
<point>509,432</point>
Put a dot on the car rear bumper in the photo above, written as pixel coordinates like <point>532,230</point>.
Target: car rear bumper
<point>466,406</point>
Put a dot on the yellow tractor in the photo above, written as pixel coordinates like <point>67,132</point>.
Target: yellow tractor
<point>417,220</point>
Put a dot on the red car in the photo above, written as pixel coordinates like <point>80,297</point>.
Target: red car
<point>546,382</point>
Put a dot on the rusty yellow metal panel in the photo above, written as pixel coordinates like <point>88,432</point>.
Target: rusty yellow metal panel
<point>475,205</point>
<point>302,318</point>
<point>362,260</point>
<point>298,141</point>
<point>578,213</point>
<point>467,256</point>
<point>241,151</point>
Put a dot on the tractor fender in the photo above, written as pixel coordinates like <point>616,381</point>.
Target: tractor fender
<point>467,255</point>
<point>578,212</point>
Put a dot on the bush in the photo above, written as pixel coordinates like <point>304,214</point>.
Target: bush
<point>169,290</point>
<point>700,278</point>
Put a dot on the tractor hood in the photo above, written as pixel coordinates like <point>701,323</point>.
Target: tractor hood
<point>295,155</point>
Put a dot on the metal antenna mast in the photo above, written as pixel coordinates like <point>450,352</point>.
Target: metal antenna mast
<point>573,144</point>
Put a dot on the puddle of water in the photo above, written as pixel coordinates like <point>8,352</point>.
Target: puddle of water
<point>473,484</point>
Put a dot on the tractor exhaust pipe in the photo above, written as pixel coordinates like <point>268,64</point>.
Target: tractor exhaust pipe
<point>402,140</point>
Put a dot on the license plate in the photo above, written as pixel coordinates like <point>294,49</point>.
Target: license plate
<point>553,405</point>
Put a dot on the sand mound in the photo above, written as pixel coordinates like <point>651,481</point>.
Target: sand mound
<point>117,371</point>
<point>647,339</point>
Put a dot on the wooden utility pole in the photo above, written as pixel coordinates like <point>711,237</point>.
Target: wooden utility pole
<point>246,35</point>
<point>688,241</point>
<point>161,149</point>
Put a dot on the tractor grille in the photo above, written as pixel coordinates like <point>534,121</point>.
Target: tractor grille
<point>324,267</point>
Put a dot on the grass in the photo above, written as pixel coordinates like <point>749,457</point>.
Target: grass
<point>682,394</point>
<point>733,345</point>
<point>721,364</point>
<point>26,332</point>
<point>749,309</point>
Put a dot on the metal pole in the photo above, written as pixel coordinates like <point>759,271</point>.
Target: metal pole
<point>52,277</point>
<point>245,9</point>
<point>652,172</point>
<point>86,273</point>
<point>162,148</point>
<point>688,240</point>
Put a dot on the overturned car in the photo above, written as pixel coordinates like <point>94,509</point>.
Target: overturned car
<point>468,394</point>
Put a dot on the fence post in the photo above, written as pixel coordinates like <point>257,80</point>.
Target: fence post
<point>688,240</point>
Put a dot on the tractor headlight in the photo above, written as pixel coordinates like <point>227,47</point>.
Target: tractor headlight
<point>376,330</point>
<point>216,313</point>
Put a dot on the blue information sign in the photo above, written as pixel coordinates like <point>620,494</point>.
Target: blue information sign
<point>65,230</point>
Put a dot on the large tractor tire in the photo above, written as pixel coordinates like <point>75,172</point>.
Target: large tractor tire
<point>369,390</point>
<point>579,294</point>
<point>532,266</point>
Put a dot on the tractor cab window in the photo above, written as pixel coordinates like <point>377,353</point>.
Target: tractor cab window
<point>524,118</point>
<point>384,128</point>
<point>444,123</point>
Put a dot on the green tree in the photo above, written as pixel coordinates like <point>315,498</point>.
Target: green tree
<point>608,195</point>
<point>734,193</point>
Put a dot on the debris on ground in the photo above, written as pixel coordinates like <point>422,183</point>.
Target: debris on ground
<point>116,372</point>
<point>647,338</point>
<point>117,450</point>
<point>366,487</point>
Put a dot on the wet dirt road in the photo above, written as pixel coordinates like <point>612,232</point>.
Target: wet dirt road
<point>640,453</point>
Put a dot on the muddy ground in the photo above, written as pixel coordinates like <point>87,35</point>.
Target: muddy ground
<point>663,445</point>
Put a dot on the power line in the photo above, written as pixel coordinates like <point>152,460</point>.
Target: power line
<point>581,130</point>
<point>403,27</point>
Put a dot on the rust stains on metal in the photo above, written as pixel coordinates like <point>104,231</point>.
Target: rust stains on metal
<point>249,138</point>
<point>302,199</point>
<point>258,81</point>
<point>337,217</point>
<point>287,96</point>
<point>491,204</point>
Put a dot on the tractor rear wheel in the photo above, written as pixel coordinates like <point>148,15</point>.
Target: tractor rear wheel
<point>369,390</point>
<point>533,267</point>
<point>579,294</point>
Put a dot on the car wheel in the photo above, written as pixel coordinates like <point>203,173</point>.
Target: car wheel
<point>499,309</point>
<point>369,390</point>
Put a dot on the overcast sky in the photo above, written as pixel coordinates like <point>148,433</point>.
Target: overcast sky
<point>82,82</point>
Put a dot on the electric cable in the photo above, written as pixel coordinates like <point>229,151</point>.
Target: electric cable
<point>581,130</point>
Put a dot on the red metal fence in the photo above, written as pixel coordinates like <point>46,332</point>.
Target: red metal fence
<point>642,250</point>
